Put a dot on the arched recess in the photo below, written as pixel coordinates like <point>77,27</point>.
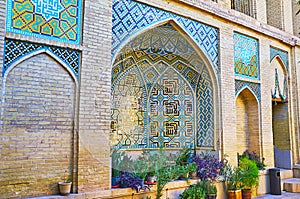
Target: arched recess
<point>247,124</point>
<point>153,53</point>
<point>38,109</point>
<point>280,115</point>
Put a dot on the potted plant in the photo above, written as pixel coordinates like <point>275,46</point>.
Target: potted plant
<point>233,180</point>
<point>249,177</point>
<point>151,177</point>
<point>211,191</point>
<point>208,166</point>
<point>192,169</point>
<point>65,187</point>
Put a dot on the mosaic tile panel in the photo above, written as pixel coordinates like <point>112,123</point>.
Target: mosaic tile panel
<point>15,50</point>
<point>128,111</point>
<point>176,85</point>
<point>205,111</point>
<point>246,56</point>
<point>48,19</point>
<point>164,44</point>
<point>129,17</point>
<point>282,54</point>
<point>171,112</point>
<point>255,88</point>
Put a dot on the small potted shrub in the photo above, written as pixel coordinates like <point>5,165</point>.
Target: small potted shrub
<point>192,169</point>
<point>65,187</point>
<point>249,177</point>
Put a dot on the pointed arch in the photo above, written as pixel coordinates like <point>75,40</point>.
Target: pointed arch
<point>174,22</point>
<point>246,87</point>
<point>247,126</point>
<point>190,66</point>
<point>281,62</point>
<point>37,52</point>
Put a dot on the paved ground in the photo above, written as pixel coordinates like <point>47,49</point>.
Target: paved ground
<point>285,195</point>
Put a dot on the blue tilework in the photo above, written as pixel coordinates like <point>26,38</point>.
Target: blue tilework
<point>130,17</point>
<point>282,54</point>
<point>246,60</point>
<point>15,50</point>
<point>254,87</point>
<point>58,20</point>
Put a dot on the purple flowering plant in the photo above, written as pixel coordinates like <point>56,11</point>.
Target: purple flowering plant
<point>129,180</point>
<point>209,166</point>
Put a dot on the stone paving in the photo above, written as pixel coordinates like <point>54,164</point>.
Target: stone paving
<point>284,195</point>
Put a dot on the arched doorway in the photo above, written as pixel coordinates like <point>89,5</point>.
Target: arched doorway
<point>163,92</point>
<point>280,116</point>
<point>247,123</point>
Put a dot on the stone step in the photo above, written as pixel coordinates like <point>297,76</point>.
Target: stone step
<point>291,185</point>
<point>286,173</point>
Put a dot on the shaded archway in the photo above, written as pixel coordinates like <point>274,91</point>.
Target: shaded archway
<point>148,64</point>
<point>247,123</point>
<point>280,115</point>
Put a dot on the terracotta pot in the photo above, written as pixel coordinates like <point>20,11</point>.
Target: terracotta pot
<point>246,193</point>
<point>234,194</point>
<point>64,188</point>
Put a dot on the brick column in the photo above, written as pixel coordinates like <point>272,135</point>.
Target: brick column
<point>266,102</point>
<point>95,94</point>
<point>227,85</point>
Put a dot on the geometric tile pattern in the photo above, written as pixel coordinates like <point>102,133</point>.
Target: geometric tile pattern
<point>48,19</point>
<point>15,50</point>
<point>205,109</point>
<point>282,54</point>
<point>246,56</point>
<point>171,112</point>
<point>164,44</point>
<point>254,87</point>
<point>128,111</point>
<point>130,17</point>
<point>169,78</point>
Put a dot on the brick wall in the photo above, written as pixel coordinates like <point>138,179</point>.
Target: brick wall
<point>37,137</point>
<point>281,127</point>
<point>95,90</point>
<point>274,13</point>
<point>247,124</point>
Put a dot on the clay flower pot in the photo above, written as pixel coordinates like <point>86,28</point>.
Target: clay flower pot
<point>64,188</point>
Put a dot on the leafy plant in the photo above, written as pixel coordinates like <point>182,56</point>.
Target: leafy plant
<point>197,191</point>
<point>232,177</point>
<point>192,167</point>
<point>140,168</point>
<point>255,157</point>
<point>249,173</point>
<point>211,188</point>
<point>208,166</point>
<point>164,172</point>
<point>116,159</point>
<point>183,157</point>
